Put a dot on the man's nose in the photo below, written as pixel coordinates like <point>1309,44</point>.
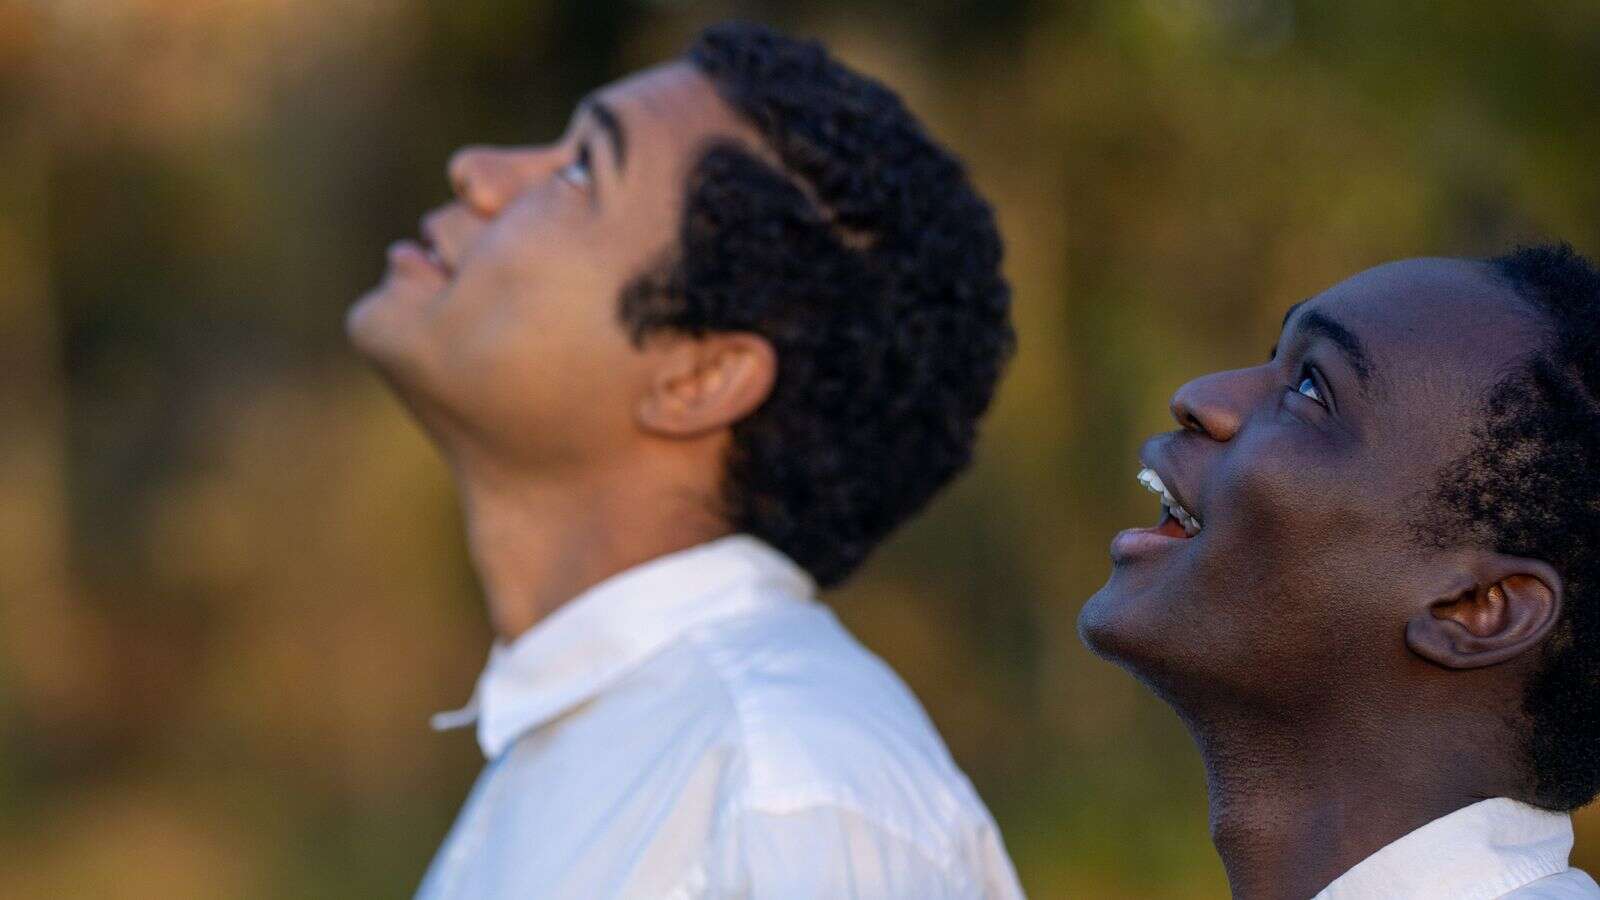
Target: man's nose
<point>488,178</point>
<point>1215,405</point>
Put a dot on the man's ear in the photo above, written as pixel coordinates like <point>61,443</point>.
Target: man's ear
<point>1503,606</point>
<point>706,383</point>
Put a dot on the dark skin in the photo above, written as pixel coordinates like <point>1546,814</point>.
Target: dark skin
<point>1345,682</point>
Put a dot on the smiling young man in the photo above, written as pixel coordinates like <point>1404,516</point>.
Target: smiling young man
<point>687,363</point>
<point>1374,595</point>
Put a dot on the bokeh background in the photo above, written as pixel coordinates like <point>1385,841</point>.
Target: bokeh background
<point>232,583</point>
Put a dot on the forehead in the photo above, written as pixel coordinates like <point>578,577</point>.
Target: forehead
<point>1434,327</point>
<point>673,109</point>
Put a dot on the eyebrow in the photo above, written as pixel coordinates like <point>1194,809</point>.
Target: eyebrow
<point>611,125</point>
<point>1317,322</point>
<point>1321,324</point>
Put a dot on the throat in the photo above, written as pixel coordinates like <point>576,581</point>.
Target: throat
<point>537,543</point>
<point>1288,824</point>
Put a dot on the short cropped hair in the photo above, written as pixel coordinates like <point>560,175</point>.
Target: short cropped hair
<point>1530,486</point>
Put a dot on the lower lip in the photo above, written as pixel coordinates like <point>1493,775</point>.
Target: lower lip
<point>1134,543</point>
<point>410,256</point>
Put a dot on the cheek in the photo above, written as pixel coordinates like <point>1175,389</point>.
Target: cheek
<point>1312,530</point>
<point>530,330</point>
<point>1291,506</point>
<point>535,246</point>
<point>540,347</point>
<point>535,280</point>
<point>1296,478</point>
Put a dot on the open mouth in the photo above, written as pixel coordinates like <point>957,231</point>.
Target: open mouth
<point>1176,521</point>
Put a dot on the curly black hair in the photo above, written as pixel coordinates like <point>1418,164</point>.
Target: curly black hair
<point>1530,486</point>
<point>869,262</point>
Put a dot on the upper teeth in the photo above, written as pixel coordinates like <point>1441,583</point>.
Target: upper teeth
<point>1152,482</point>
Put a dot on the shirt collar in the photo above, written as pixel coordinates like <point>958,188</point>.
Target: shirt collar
<point>600,635</point>
<point>1480,851</point>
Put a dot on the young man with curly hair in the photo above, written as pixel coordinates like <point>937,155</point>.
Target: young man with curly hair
<point>1374,593</point>
<point>690,361</point>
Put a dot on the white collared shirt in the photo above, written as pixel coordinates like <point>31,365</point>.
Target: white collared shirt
<point>700,726</point>
<point>1491,849</point>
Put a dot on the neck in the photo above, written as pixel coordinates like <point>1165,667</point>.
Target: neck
<point>1292,808</point>
<point>537,542</point>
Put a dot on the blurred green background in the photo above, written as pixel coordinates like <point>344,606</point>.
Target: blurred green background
<point>232,585</point>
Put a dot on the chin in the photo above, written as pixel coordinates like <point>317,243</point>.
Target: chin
<point>1139,632</point>
<point>363,326</point>
<point>1105,625</point>
<point>1178,646</point>
<point>1131,615</point>
<point>384,326</point>
<point>384,330</point>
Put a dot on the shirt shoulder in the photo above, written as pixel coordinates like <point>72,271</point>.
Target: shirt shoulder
<point>821,723</point>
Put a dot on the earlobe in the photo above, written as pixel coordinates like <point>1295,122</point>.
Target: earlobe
<point>1503,613</point>
<point>708,383</point>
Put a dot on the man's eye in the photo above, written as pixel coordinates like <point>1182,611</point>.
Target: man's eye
<point>578,171</point>
<point>1308,387</point>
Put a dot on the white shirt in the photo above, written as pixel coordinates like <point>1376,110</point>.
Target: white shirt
<point>1493,848</point>
<point>700,726</point>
